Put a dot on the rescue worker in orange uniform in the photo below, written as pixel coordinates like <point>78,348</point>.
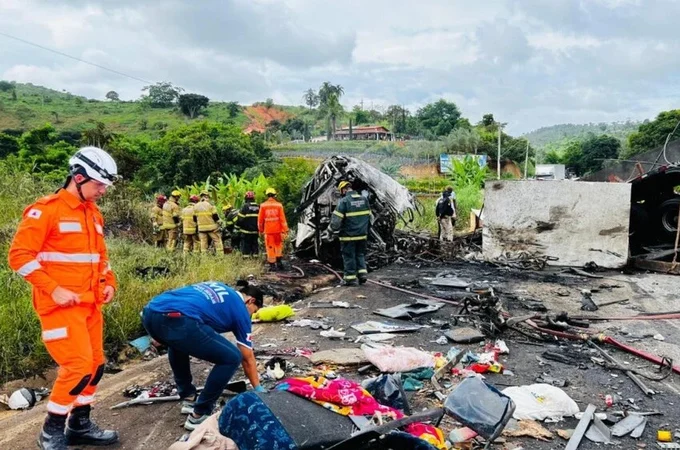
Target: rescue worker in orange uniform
<point>59,248</point>
<point>171,219</point>
<point>189,228</point>
<point>271,222</point>
<point>159,234</point>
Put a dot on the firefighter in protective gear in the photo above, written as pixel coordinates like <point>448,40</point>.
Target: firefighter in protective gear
<point>171,219</point>
<point>271,222</point>
<point>247,225</point>
<point>230,235</point>
<point>159,234</point>
<point>59,248</point>
<point>189,228</point>
<point>208,227</point>
<point>351,220</point>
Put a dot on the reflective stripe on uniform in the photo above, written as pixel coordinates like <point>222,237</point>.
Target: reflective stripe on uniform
<point>358,213</point>
<point>54,334</point>
<point>249,232</point>
<point>350,277</point>
<point>68,257</point>
<point>339,214</point>
<point>29,268</point>
<point>56,408</point>
<point>84,399</point>
<point>352,238</point>
<point>70,227</point>
<point>363,271</point>
<point>248,215</point>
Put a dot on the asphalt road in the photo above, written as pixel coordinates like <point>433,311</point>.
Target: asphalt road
<point>157,426</point>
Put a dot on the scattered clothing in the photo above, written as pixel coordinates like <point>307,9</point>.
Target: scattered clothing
<point>206,436</point>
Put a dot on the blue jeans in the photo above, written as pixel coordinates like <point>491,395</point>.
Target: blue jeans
<point>186,337</point>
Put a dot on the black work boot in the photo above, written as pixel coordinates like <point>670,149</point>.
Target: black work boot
<point>51,436</point>
<point>272,267</point>
<point>279,263</point>
<point>82,431</point>
<point>363,280</point>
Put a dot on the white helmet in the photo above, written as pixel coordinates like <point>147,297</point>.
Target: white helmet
<point>94,163</point>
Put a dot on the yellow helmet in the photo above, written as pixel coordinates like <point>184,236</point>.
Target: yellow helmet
<point>176,193</point>
<point>269,191</point>
<point>226,207</point>
<point>343,185</point>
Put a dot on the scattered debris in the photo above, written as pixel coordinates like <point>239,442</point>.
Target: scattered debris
<point>598,432</point>
<point>659,337</point>
<point>339,356</point>
<point>540,402</point>
<point>637,432</point>
<point>142,344</point>
<point>441,340</point>
<point>527,428</point>
<point>273,313</point>
<point>547,379</point>
<point>480,407</point>
<point>388,390</point>
<point>581,428</point>
<point>276,368</point>
<point>376,337</point>
<point>313,324</point>
<point>397,359</point>
<point>627,425</point>
<point>373,326</point>
<point>408,311</point>
<point>664,436</point>
<point>332,304</point>
<point>333,334</point>
<point>25,398</point>
<point>465,335</point>
<point>587,303</point>
<point>565,434</point>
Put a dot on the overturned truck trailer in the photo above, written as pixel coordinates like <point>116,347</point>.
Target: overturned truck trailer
<point>389,200</point>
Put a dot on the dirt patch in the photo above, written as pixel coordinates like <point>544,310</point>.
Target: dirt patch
<point>261,116</point>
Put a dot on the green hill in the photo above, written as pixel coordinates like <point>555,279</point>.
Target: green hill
<point>31,106</point>
<point>545,137</point>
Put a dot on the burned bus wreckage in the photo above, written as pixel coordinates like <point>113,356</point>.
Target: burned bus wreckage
<point>390,202</point>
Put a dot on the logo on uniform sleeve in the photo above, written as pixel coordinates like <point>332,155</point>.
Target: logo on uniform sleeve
<point>249,338</point>
<point>34,213</point>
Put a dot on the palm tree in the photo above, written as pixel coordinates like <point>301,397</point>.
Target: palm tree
<point>333,111</point>
<point>310,98</point>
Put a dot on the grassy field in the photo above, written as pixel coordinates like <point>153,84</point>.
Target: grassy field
<point>36,106</point>
<point>21,350</point>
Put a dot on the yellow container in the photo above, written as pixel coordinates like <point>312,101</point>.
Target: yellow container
<point>664,436</point>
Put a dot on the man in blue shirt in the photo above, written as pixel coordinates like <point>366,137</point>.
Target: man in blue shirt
<point>189,321</point>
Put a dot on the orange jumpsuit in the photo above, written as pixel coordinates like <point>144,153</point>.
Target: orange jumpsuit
<point>271,221</point>
<point>60,243</point>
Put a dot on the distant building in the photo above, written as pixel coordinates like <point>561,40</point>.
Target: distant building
<point>550,171</point>
<point>318,139</point>
<point>376,133</point>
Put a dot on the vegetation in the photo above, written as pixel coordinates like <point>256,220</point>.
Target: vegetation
<point>587,156</point>
<point>652,134</point>
<point>556,136</point>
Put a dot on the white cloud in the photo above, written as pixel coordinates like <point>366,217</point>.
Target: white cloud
<point>530,62</point>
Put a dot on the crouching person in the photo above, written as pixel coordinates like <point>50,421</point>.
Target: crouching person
<point>189,321</point>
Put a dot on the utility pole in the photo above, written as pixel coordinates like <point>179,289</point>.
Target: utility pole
<point>526,161</point>
<point>362,104</point>
<point>498,160</point>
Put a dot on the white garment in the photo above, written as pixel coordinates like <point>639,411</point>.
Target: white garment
<point>446,229</point>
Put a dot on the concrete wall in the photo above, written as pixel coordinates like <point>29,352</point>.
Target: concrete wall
<point>576,222</point>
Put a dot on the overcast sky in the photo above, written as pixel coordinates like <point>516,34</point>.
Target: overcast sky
<point>531,63</point>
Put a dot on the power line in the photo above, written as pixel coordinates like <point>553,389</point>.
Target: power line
<point>74,57</point>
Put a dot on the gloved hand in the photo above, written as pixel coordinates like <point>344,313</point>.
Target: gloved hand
<point>260,388</point>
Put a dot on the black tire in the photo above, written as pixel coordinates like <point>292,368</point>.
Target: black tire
<point>668,214</point>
